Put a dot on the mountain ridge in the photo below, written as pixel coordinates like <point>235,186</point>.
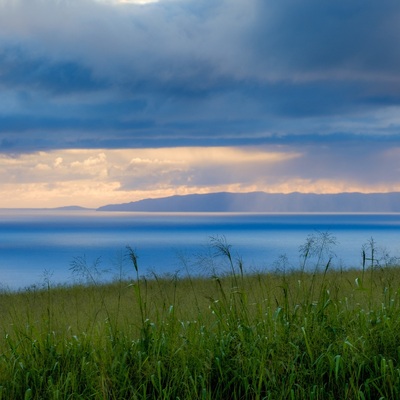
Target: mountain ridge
<point>265,202</point>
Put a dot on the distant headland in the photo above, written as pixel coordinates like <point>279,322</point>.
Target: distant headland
<point>265,202</point>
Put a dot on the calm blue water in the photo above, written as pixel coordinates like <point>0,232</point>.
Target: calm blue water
<point>40,245</point>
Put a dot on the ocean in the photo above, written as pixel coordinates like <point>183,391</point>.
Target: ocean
<point>40,247</point>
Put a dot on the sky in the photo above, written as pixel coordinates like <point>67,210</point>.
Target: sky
<point>107,101</point>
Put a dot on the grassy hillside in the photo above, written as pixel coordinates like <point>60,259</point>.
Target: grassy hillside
<point>314,333</point>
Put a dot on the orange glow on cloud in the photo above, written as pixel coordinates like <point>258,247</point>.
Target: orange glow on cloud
<point>96,177</point>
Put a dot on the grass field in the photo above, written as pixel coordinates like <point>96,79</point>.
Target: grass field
<point>310,333</point>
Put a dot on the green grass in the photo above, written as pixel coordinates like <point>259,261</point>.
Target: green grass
<point>312,333</point>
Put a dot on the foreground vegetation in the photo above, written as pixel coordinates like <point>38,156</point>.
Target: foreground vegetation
<point>312,333</point>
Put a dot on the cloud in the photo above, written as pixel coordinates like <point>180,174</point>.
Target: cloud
<point>183,72</point>
<point>120,100</point>
<point>116,2</point>
<point>97,177</point>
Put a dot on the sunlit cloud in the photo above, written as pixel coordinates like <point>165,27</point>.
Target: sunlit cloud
<point>96,177</point>
<point>325,186</point>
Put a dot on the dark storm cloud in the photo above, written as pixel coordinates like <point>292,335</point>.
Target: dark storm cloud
<point>19,70</point>
<point>82,73</point>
